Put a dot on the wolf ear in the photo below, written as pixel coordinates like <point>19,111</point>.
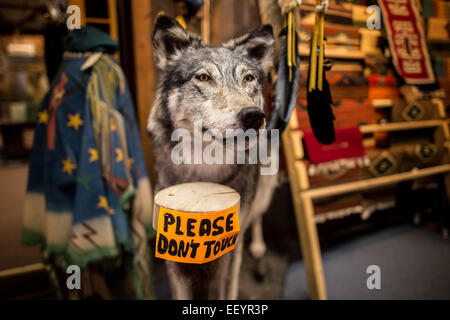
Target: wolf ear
<point>169,39</point>
<point>258,46</point>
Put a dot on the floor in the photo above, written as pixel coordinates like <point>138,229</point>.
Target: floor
<point>12,193</point>
<point>414,260</point>
<point>414,264</point>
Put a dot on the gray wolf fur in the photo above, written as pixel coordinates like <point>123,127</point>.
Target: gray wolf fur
<point>222,87</point>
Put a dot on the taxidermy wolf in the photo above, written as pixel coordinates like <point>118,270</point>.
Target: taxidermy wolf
<point>222,87</point>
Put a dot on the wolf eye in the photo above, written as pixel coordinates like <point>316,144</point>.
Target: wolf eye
<point>204,77</point>
<point>249,78</point>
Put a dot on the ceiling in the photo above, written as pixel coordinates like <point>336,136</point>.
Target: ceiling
<point>24,16</point>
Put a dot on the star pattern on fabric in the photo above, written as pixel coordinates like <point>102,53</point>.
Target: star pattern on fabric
<point>43,117</point>
<point>75,121</point>
<point>103,203</point>
<point>68,166</point>
<point>129,164</point>
<point>112,125</point>
<point>119,155</point>
<point>85,182</point>
<point>93,155</point>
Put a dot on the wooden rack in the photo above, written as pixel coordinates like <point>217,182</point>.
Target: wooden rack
<point>303,196</point>
<point>110,20</point>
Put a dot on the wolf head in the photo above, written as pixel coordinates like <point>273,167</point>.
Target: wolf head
<point>221,86</point>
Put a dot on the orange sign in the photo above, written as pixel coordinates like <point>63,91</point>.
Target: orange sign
<point>196,237</point>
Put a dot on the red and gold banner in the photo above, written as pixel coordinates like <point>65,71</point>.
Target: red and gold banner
<point>407,41</point>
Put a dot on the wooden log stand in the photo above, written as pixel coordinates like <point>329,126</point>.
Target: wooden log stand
<point>201,201</point>
<point>195,197</point>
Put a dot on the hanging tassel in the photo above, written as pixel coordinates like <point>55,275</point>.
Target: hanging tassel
<point>287,76</point>
<point>291,42</point>
<point>318,96</point>
<point>181,21</point>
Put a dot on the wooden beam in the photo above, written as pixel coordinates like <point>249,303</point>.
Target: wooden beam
<point>306,227</point>
<point>98,20</point>
<point>373,183</point>
<point>297,144</point>
<point>22,270</point>
<point>112,17</point>
<point>141,16</point>
<point>310,246</point>
<point>206,21</point>
<point>301,174</point>
<point>400,126</point>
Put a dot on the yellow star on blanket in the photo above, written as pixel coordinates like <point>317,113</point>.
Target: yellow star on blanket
<point>43,117</point>
<point>75,121</point>
<point>103,203</point>
<point>119,155</point>
<point>68,166</point>
<point>94,154</point>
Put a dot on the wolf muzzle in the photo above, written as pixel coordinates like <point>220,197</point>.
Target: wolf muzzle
<point>251,118</point>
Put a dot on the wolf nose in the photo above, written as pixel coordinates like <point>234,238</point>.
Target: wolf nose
<point>251,117</point>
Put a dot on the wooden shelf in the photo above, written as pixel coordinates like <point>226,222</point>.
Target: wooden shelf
<point>303,196</point>
<point>98,20</point>
<point>333,54</point>
<point>363,185</point>
<point>382,103</point>
<point>400,126</point>
<point>438,41</point>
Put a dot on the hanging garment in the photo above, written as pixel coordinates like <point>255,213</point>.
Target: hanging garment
<point>88,195</point>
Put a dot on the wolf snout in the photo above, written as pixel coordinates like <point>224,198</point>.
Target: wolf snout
<point>251,117</point>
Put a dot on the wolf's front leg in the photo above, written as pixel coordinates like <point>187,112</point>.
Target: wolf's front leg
<point>264,193</point>
<point>257,246</point>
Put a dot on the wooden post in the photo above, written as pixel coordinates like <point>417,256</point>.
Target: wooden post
<point>447,175</point>
<point>141,12</point>
<point>206,22</point>
<point>306,227</point>
<point>112,17</point>
<point>196,201</point>
<point>311,249</point>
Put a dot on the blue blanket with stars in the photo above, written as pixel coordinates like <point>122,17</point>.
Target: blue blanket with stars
<point>88,195</point>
